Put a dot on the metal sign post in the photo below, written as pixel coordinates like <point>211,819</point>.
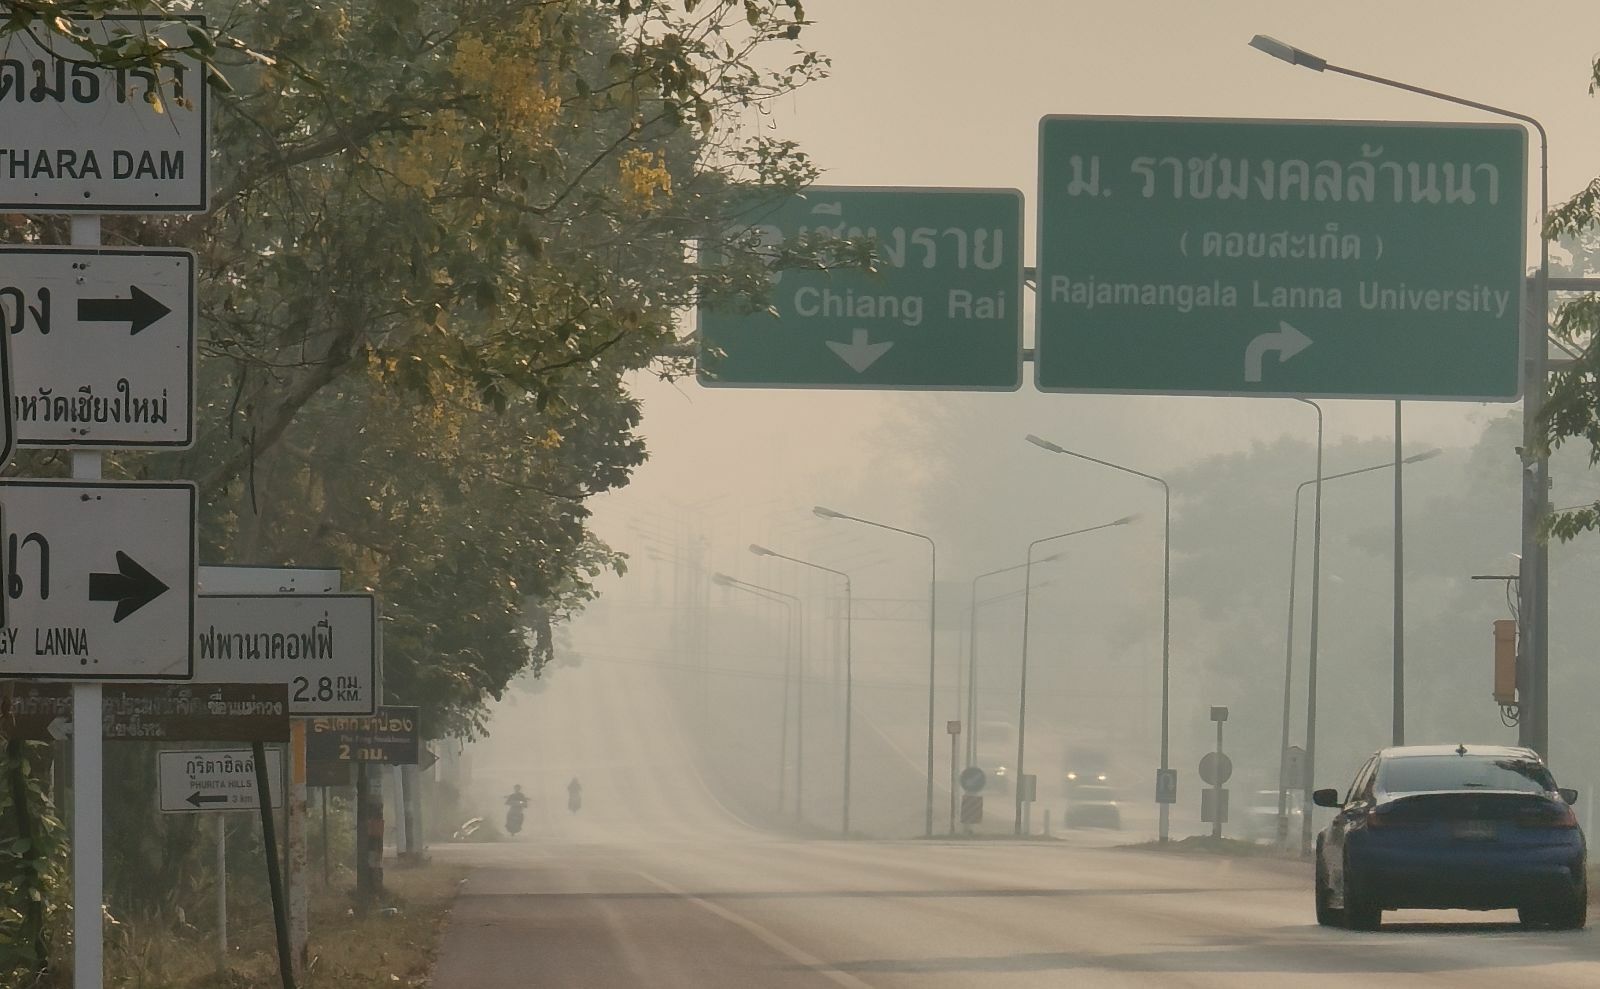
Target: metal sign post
<point>121,571</point>
<point>954,730</point>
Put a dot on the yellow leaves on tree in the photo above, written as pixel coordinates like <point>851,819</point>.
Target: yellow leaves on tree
<point>508,77</point>
<point>643,174</point>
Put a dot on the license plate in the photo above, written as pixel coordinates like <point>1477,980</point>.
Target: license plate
<point>1475,831</point>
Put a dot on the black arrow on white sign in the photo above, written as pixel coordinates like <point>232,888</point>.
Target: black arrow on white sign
<point>132,587</point>
<point>138,312</point>
<point>197,798</point>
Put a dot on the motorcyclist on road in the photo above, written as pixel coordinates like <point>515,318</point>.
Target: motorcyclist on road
<point>516,802</point>
<point>574,795</point>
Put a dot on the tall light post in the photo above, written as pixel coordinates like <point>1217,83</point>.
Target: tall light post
<point>844,825</point>
<point>1533,686</point>
<point>1166,606</point>
<point>933,581</point>
<point>1022,689</point>
<point>794,665</point>
<point>1288,646</point>
<point>972,653</point>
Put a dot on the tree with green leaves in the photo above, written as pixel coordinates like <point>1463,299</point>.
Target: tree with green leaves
<point>445,233</point>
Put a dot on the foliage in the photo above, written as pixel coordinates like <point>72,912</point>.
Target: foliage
<point>32,863</point>
<point>1572,411</point>
<point>445,233</point>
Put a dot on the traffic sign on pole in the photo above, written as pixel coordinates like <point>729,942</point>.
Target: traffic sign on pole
<point>325,647</point>
<point>943,312</point>
<point>100,579</point>
<point>83,138</point>
<point>200,780</point>
<point>392,736</point>
<point>1215,768</point>
<point>102,345</point>
<point>230,578</point>
<point>1288,258</point>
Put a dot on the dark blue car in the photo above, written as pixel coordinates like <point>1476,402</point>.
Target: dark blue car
<point>1479,827</point>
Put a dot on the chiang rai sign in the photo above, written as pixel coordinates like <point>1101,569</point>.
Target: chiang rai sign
<point>1291,258</point>
<point>88,139</point>
<point>102,345</point>
<point>944,311</point>
<point>392,736</point>
<point>152,712</point>
<point>324,647</point>
<point>99,579</point>
<point>215,780</point>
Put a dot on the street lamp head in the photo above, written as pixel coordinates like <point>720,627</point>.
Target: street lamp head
<point>1126,519</point>
<point>1287,52</point>
<point>760,550</point>
<point>722,579</point>
<point>825,513</point>
<point>1417,458</point>
<point>1044,444</point>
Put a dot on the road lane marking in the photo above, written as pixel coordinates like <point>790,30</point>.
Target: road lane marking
<point>789,950</point>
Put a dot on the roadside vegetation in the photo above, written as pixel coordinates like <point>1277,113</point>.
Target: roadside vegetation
<point>444,235</point>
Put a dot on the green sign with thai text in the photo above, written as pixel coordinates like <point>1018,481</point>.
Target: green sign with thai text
<point>1289,258</point>
<point>942,312</point>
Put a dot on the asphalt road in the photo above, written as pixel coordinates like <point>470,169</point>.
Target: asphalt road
<point>654,884</point>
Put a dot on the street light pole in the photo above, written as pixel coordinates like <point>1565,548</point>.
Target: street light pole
<point>1022,689</point>
<point>933,585</point>
<point>794,665</point>
<point>1533,681</point>
<point>1311,661</point>
<point>844,826</point>
<point>1166,608</point>
<point>1398,735</point>
<point>1288,641</point>
<point>972,654</point>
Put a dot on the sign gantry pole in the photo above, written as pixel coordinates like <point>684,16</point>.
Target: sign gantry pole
<point>88,768</point>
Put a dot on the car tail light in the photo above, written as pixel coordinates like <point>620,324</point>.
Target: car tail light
<point>1558,816</point>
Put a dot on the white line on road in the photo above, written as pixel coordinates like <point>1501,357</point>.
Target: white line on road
<point>794,953</point>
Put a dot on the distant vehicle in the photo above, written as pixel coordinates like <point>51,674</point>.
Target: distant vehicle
<point>1479,827</point>
<point>997,753</point>
<point>1092,805</point>
<point>1260,820</point>
<point>1086,767</point>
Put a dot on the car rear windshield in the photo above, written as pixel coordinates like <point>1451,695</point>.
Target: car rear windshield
<point>1413,774</point>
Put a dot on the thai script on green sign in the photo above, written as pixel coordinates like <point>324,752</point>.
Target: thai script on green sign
<point>1280,257</point>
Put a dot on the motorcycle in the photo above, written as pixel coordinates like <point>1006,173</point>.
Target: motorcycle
<point>574,797</point>
<point>514,820</point>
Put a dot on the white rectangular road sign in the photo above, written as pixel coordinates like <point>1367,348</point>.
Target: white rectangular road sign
<point>87,139</point>
<point>234,578</point>
<point>324,646</point>
<point>102,345</point>
<point>216,779</point>
<point>99,579</point>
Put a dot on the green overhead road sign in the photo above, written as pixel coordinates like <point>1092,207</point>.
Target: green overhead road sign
<point>1290,258</point>
<point>944,312</point>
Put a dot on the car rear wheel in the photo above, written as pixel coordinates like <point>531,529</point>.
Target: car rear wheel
<point>1361,910</point>
<point>1327,914</point>
<point>1570,915</point>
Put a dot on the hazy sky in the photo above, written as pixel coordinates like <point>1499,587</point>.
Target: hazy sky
<point>945,93</point>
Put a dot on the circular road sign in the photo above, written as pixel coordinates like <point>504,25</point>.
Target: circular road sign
<point>1215,768</point>
<point>972,779</point>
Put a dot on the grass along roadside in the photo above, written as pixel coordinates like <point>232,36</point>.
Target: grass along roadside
<point>392,948</point>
